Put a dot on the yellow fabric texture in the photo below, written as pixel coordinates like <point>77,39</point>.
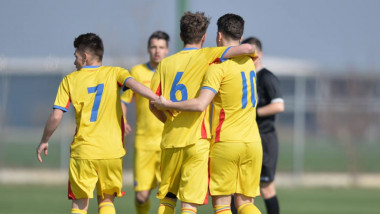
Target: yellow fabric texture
<point>106,208</point>
<point>177,78</point>
<point>167,206</point>
<point>94,94</point>
<point>148,127</point>
<point>84,175</point>
<point>234,105</point>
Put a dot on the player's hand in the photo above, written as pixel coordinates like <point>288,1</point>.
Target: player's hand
<point>161,103</point>
<point>43,146</point>
<point>127,129</point>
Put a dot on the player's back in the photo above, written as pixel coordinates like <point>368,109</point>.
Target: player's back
<point>234,105</point>
<point>178,78</point>
<point>94,94</point>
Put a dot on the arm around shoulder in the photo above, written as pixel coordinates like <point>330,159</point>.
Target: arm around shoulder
<point>140,89</point>
<point>243,49</point>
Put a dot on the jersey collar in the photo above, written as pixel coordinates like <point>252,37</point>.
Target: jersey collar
<point>91,66</point>
<point>150,67</point>
<point>187,49</point>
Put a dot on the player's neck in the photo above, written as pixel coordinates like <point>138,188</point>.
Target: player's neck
<point>258,66</point>
<point>93,63</point>
<point>153,64</point>
<point>197,46</point>
<point>231,43</point>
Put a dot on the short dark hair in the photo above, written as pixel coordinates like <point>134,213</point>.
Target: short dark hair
<point>159,35</point>
<point>231,25</point>
<point>254,41</point>
<point>193,26</point>
<point>90,42</point>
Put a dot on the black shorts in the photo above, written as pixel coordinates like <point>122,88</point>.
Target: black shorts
<point>270,155</point>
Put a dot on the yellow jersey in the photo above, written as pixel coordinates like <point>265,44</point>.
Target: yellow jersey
<point>148,127</point>
<point>178,78</point>
<point>234,105</point>
<point>94,92</point>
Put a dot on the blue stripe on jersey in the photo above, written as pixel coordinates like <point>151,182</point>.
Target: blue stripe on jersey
<point>150,67</point>
<point>252,75</point>
<point>209,88</point>
<point>187,49</point>
<point>91,66</point>
<point>125,87</point>
<point>222,59</point>
<point>98,97</point>
<point>59,107</point>
<point>125,102</point>
<point>244,97</point>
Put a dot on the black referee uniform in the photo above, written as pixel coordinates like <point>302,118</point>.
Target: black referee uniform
<point>268,92</point>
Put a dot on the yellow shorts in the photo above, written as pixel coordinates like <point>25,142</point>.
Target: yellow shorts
<point>184,172</point>
<point>235,168</point>
<point>84,174</point>
<point>147,169</point>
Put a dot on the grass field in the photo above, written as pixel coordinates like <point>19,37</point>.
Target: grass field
<point>317,158</point>
<point>31,199</point>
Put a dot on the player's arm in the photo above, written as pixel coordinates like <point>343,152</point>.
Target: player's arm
<point>159,114</point>
<point>271,109</point>
<point>51,124</point>
<point>197,104</point>
<point>127,127</point>
<point>243,49</point>
<point>140,89</point>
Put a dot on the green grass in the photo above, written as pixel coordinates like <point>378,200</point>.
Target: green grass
<point>318,156</point>
<point>30,199</point>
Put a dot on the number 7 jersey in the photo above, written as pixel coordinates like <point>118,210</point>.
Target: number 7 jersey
<point>94,92</point>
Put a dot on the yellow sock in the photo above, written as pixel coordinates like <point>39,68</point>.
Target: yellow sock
<point>222,209</point>
<point>188,210</point>
<point>78,211</point>
<point>248,208</point>
<point>107,208</point>
<point>167,206</point>
<point>142,208</point>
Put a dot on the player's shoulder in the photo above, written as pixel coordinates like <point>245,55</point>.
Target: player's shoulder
<point>139,67</point>
<point>265,73</point>
<point>267,77</point>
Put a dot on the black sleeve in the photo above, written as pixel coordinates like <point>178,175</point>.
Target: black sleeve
<point>272,86</point>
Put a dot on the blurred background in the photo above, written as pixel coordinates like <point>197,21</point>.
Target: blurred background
<point>324,52</point>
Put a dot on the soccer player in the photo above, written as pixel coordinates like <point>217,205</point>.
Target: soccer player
<point>270,103</point>
<point>147,153</point>
<point>97,149</point>
<point>185,139</point>
<point>236,151</point>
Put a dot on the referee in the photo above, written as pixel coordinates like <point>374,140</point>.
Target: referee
<point>270,103</point>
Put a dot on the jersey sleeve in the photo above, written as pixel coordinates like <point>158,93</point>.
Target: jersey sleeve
<point>214,54</point>
<point>122,76</point>
<point>272,87</point>
<point>155,84</point>
<point>62,100</point>
<point>213,78</point>
<point>127,96</point>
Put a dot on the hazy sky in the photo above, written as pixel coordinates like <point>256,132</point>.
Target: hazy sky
<point>334,33</point>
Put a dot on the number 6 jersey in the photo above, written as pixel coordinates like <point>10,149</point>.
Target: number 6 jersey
<point>94,92</point>
<point>178,78</point>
